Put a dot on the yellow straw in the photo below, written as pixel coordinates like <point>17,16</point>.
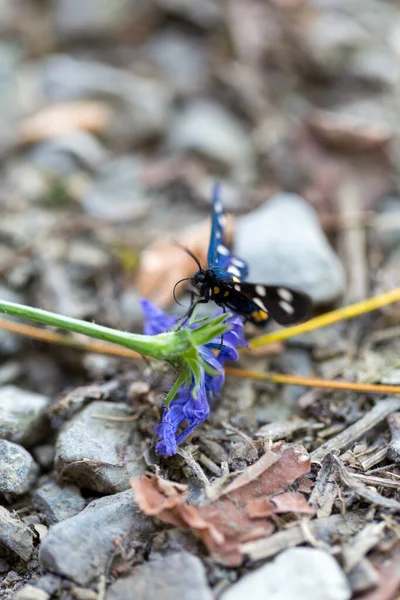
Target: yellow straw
<point>347,312</point>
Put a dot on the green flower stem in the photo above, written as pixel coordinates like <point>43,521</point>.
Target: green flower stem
<point>165,346</point>
<point>179,347</point>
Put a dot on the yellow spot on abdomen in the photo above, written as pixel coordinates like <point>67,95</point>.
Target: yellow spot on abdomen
<point>259,315</point>
<point>226,294</point>
<point>236,279</point>
<point>216,290</point>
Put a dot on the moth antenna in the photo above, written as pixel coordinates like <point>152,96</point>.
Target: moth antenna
<point>177,283</point>
<point>196,260</point>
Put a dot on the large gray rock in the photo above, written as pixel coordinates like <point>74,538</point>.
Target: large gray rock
<point>57,502</point>
<point>176,576</point>
<point>97,453</point>
<point>143,103</point>
<point>22,415</point>
<point>15,535</point>
<point>117,194</point>
<point>81,548</point>
<point>297,573</point>
<point>284,244</point>
<point>18,470</point>
<point>208,128</point>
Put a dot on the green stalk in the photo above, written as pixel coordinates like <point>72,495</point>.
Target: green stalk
<point>164,346</point>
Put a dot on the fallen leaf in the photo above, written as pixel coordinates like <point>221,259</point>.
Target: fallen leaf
<point>155,281</point>
<point>344,131</point>
<point>292,502</point>
<point>261,507</point>
<point>237,514</point>
<point>62,119</point>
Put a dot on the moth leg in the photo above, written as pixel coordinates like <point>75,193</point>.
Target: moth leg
<point>222,336</point>
<point>185,318</point>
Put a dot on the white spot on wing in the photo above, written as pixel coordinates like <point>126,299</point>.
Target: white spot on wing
<point>285,294</point>
<point>222,220</point>
<point>237,262</point>
<point>218,234</point>
<point>237,287</point>
<point>261,291</point>
<point>222,250</point>
<point>218,206</point>
<point>259,303</point>
<point>286,306</point>
<point>233,270</point>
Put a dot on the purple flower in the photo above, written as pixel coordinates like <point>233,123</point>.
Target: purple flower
<point>190,409</point>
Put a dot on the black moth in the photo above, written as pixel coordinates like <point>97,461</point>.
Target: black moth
<point>223,283</point>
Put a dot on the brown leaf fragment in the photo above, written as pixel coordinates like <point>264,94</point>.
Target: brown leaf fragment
<point>261,507</point>
<point>347,132</point>
<point>305,485</point>
<point>61,119</point>
<point>292,502</point>
<point>272,473</point>
<point>156,282</point>
<point>155,495</point>
<point>238,514</point>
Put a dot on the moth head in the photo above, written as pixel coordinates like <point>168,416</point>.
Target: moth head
<point>199,277</point>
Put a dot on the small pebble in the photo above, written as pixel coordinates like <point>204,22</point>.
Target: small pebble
<point>18,470</point>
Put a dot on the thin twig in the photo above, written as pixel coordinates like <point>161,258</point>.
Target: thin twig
<point>380,411</point>
<point>341,314</point>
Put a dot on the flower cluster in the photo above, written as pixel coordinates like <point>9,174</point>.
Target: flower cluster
<point>191,404</point>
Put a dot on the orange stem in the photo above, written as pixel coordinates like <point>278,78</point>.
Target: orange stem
<point>313,382</point>
<point>51,337</point>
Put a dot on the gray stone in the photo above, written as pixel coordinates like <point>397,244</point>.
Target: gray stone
<point>331,38</point>
<point>9,343</point>
<point>387,224</point>
<point>69,154</point>
<point>284,245</point>
<point>97,453</point>
<point>181,58</point>
<point>15,535</point>
<point>301,573</point>
<point>9,371</point>
<point>116,194</point>
<point>76,19</point>
<point>22,415</point>
<point>31,592</point>
<point>18,470</point>
<point>44,456</point>
<point>179,575</point>
<point>208,128</point>
<point>143,103</point>
<point>81,548</point>
<point>57,503</point>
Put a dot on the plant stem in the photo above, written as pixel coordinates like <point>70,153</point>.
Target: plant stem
<point>162,347</point>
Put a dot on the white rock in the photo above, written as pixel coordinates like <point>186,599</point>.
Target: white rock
<point>296,574</point>
<point>208,128</point>
<point>284,245</point>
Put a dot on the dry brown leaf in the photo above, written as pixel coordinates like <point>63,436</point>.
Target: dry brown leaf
<point>61,119</point>
<point>292,502</point>
<point>155,281</point>
<point>238,514</point>
<point>347,132</point>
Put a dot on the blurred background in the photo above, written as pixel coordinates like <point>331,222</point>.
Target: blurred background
<point>117,117</point>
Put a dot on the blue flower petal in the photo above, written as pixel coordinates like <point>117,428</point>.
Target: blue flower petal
<point>186,409</point>
<point>156,320</point>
